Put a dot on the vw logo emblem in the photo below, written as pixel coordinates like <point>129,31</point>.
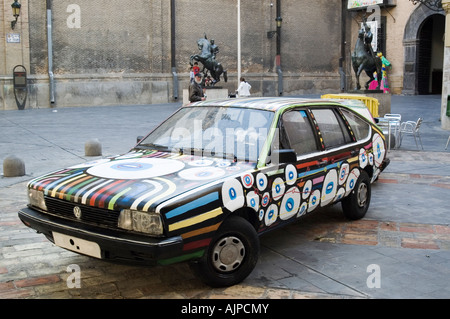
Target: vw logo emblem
<point>77,212</point>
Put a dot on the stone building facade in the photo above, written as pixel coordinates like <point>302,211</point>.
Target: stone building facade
<point>110,52</point>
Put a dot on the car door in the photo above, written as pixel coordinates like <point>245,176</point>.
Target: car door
<point>320,138</point>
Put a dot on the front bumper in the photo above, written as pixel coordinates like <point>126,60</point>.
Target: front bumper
<point>115,245</point>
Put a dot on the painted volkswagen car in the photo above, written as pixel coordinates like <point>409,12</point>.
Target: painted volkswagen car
<point>208,181</point>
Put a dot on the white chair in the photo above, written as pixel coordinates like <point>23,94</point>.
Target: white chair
<point>394,120</point>
<point>412,128</point>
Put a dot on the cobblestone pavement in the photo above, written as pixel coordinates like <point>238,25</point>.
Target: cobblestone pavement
<point>405,237</point>
<point>32,267</point>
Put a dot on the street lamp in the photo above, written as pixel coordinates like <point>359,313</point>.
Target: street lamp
<point>270,34</point>
<point>279,20</point>
<point>16,12</point>
<point>435,5</point>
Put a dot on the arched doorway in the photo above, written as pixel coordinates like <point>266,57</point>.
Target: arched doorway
<point>430,55</point>
<point>424,52</point>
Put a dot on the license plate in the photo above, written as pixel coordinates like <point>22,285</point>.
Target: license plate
<point>77,245</point>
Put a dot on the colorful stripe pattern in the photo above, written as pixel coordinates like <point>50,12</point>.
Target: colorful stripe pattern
<point>78,185</point>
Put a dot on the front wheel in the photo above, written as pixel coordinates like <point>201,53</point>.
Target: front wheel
<point>231,255</point>
<point>356,204</point>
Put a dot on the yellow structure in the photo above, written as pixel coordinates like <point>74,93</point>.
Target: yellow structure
<point>371,102</point>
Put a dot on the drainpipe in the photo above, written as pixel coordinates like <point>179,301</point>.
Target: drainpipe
<point>173,43</point>
<point>343,44</point>
<point>50,52</point>
<point>278,57</point>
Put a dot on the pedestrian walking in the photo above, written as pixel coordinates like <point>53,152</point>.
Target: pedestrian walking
<point>244,88</point>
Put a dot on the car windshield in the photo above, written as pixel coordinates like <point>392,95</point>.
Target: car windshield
<point>226,132</point>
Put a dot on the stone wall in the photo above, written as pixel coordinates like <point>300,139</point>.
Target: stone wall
<point>111,52</point>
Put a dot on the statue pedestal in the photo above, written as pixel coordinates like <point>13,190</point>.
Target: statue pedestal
<point>212,93</point>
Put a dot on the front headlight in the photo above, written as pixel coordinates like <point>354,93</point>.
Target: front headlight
<point>36,198</point>
<point>144,222</point>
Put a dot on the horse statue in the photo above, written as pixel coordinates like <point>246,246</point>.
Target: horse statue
<point>208,58</point>
<point>363,58</point>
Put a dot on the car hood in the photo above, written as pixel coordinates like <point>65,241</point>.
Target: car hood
<point>140,179</point>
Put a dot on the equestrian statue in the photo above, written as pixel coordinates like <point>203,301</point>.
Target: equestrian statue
<point>363,58</point>
<point>208,58</point>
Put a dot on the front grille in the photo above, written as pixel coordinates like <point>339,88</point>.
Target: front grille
<point>93,215</point>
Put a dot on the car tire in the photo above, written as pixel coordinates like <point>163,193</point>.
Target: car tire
<point>231,255</point>
<point>356,204</point>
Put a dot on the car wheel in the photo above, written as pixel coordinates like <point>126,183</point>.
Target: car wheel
<point>231,255</point>
<point>355,205</point>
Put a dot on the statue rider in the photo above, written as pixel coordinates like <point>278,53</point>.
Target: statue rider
<point>368,36</point>
<point>214,49</point>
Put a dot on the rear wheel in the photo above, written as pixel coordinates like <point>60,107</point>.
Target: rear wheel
<point>231,255</point>
<point>356,204</point>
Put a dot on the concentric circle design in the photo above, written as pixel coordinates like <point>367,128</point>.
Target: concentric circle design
<point>265,199</point>
<point>291,174</point>
<point>290,203</point>
<point>223,163</point>
<point>363,158</point>
<point>136,168</point>
<point>371,159</point>
<point>343,173</point>
<point>378,149</point>
<point>271,215</point>
<point>201,162</point>
<point>261,214</point>
<point>302,210</point>
<point>314,200</point>
<point>307,189</point>
<point>201,173</point>
<point>352,178</point>
<point>232,195</point>
<point>261,181</point>
<point>329,187</point>
<point>247,180</point>
<point>253,200</point>
<point>278,188</point>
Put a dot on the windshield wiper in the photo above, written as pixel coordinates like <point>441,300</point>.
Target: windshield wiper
<point>157,147</point>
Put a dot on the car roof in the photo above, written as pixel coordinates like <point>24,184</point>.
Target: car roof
<point>263,103</point>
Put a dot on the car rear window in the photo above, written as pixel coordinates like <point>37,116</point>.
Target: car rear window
<point>331,127</point>
<point>360,128</point>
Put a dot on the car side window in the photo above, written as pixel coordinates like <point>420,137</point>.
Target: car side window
<point>298,133</point>
<point>332,128</point>
<point>360,128</point>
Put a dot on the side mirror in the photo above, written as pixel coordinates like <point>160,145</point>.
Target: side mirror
<point>139,138</point>
<point>284,156</point>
